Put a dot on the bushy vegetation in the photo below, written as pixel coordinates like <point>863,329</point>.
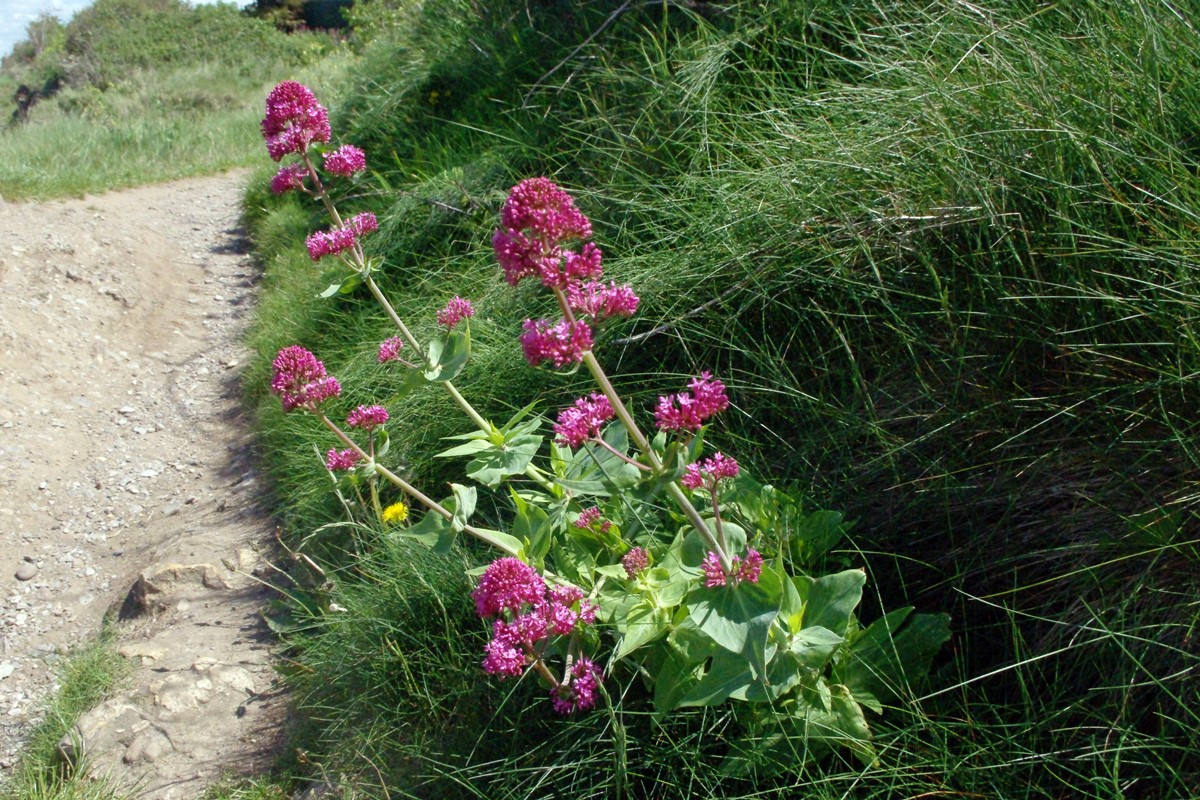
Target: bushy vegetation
<point>945,258</point>
<point>136,91</point>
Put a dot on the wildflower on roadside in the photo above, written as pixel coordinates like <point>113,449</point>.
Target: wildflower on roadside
<point>345,161</point>
<point>686,411</point>
<point>395,513</point>
<point>539,219</point>
<point>389,349</point>
<point>541,206</point>
<point>455,312</point>
<point>300,380</point>
<point>560,344</point>
<point>583,420</point>
<point>367,417</point>
<point>294,120</point>
<point>340,459</point>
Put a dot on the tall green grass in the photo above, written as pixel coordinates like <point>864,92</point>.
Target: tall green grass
<point>945,257</point>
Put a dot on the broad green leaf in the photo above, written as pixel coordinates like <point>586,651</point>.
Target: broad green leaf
<point>829,601</point>
<point>813,646</point>
<point>739,617</point>
<point>842,725</point>
<point>641,624</point>
<point>433,531</point>
<point>447,354</point>
<point>531,525</point>
<point>467,449</point>
<point>493,465</point>
<point>728,673</point>
<point>892,653</point>
<point>464,505</point>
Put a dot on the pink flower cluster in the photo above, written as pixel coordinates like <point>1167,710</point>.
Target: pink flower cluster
<point>686,411</point>
<point>455,312</point>
<point>367,417</point>
<point>289,176</point>
<point>389,349</point>
<point>540,222</point>
<point>593,519</point>
<point>561,343</point>
<point>748,570</point>
<point>583,420</point>
<point>340,459</point>
<point>300,380</point>
<point>340,239</point>
<point>529,614</point>
<point>595,300</point>
<point>347,160</point>
<point>578,692</point>
<point>294,120</point>
<point>706,473</point>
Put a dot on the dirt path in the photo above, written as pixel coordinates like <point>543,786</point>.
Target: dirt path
<point>124,465</point>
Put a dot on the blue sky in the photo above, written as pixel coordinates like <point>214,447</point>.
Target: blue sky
<point>16,14</point>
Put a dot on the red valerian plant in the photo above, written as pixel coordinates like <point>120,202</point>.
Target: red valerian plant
<point>628,554</point>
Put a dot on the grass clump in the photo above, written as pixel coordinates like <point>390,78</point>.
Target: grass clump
<point>944,256</point>
<point>86,677</point>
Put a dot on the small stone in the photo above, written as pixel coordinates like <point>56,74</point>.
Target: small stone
<point>6,669</point>
<point>26,571</point>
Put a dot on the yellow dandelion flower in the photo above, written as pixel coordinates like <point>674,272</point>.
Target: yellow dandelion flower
<point>395,513</point>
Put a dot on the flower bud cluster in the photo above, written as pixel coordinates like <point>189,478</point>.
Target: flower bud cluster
<point>705,474</point>
<point>583,420</point>
<point>455,312</point>
<point>688,411</point>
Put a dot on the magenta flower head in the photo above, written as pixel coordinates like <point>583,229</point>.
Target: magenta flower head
<point>583,420</point>
<point>300,380</point>
<point>367,417</point>
<point>347,160</point>
<point>289,176</point>
<point>748,570</point>
<point>455,312</point>
<point>294,120</point>
<point>579,692</point>
<point>686,411</point>
<point>706,473</point>
<point>546,210</point>
<point>338,240</point>
<point>600,302</point>
<point>560,344</point>
<point>508,584</point>
<point>389,349</point>
<point>340,459</point>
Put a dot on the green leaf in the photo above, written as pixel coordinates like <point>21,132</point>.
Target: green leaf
<point>493,465</point>
<point>467,449</point>
<point>448,354</point>
<point>894,652</point>
<point>842,724</point>
<point>728,674</point>
<point>642,624</point>
<point>814,646</point>
<point>433,531</point>
<point>531,526</point>
<point>464,505</point>
<point>739,617</point>
<point>829,601</point>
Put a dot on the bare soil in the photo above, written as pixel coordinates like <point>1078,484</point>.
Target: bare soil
<point>126,482</point>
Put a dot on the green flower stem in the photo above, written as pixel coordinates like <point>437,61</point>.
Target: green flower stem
<point>412,491</point>
<point>531,471</point>
<point>639,438</point>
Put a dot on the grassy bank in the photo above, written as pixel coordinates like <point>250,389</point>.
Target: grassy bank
<point>945,258</point>
<point>130,92</point>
